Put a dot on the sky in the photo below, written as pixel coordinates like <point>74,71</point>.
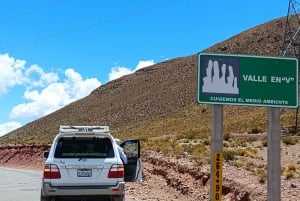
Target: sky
<point>55,52</point>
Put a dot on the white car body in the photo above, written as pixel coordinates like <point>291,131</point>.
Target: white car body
<point>83,163</point>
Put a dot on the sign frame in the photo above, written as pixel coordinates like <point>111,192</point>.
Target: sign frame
<point>247,80</point>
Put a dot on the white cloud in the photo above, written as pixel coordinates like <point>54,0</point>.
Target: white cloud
<point>76,87</point>
<point>11,72</point>
<point>36,77</point>
<point>143,64</point>
<point>54,96</point>
<point>45,93</point>
<point>119,71</point>
<point>9,126</point>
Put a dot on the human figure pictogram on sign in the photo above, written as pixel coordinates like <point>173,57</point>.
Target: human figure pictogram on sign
<point>224,82</point>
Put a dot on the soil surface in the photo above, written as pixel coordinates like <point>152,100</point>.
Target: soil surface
<point>167,179</point>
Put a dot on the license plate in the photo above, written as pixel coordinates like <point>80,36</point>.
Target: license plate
<point>84,173</point>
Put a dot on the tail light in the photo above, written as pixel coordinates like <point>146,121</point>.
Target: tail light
<point>51,172</point>
<point>116,171</point>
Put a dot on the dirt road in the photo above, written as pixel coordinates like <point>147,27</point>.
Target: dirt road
<point>20,185</point>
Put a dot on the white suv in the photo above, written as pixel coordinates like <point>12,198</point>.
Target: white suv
<point>84,164</point>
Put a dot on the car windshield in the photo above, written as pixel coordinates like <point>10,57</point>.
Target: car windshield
<point>84,147</point>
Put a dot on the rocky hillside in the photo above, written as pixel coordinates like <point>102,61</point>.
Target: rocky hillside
<point>150,93</point>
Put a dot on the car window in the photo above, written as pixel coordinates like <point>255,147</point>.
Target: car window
<point>79,147</point>
<point>131,148</point>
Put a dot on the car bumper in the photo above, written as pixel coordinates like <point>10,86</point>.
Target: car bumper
<point>49,190</point>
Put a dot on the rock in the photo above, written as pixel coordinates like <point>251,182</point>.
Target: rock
<point>293,186</point>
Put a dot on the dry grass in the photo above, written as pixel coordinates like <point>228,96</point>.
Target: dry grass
<point>179,136</point>
<point>291,171</point>
<point>193,123</point>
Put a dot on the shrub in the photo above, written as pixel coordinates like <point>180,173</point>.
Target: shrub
<point>229,155</point>
<point>264,143</point>
<point>206,141</point>
<point>248,152</point>
<point>161,145</point>
<point>289,140</point>
<point>240,163</point>
<point>189,148</point>
<point>292,167</point>
<point>241,142</point>
<point>200,155</point>
<point>179,137</point>
<point>191,135</point>
<point>143,139</point>
<point>185,140</point>
<point>227,136</point>
<point>177,151</point>
<point>289,174</point>
<point>226,144</point>
<point>262,175</point>
<point>256,130</point>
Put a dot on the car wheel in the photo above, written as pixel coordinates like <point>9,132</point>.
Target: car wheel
<point>118,198</point>
<point>46,198</point>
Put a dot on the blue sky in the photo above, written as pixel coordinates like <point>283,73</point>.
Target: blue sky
<point>55,52</point>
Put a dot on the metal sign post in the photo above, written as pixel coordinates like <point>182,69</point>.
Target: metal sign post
<point>274,159</point>
<point>216,154</point>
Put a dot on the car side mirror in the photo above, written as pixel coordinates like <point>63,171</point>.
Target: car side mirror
<point>46,154</point>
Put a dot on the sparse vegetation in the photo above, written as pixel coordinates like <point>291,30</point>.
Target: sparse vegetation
<point>292,167</point>
<point>262,175</point>
<point>200,155</point>
<point>207,141</point>
<point>289,174</point>
<point>264,143</point>
<point>248,152</point>
<point>190,135</point>
<point>241,163</point>
<point>227,137</point>
<point>229,154</point>
<point>289,140</point>
<point>256,130</point>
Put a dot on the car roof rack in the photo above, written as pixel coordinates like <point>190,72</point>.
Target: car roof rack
<point>83,129</point>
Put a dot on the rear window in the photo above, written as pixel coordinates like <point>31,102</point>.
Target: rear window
<point>78,147</point>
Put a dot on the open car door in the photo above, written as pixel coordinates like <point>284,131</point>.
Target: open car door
<point>133,168</point>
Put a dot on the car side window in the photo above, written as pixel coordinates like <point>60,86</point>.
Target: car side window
<point>131,148</point>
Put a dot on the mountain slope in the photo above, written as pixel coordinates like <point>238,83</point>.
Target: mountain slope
<point>149,94</point>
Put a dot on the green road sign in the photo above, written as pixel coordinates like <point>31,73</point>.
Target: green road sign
<point>247,80</point>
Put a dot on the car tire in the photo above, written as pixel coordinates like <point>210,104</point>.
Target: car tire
<point>46,198</point>
<point>118,198</point>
